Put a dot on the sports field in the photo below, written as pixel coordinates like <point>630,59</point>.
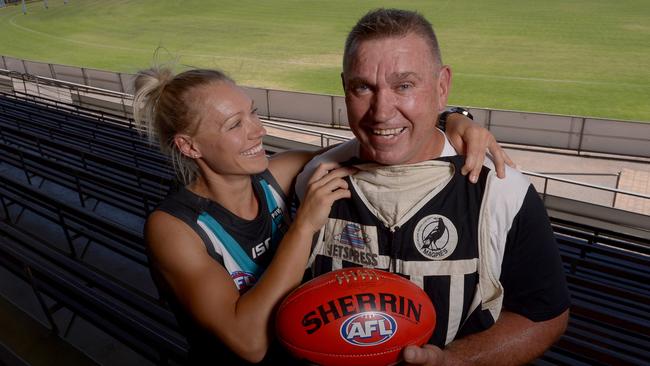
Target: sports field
<point>578,57</point>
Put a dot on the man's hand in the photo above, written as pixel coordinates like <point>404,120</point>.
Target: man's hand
<point>474,141</point>
<point>512,340</point>
<point>427,355</point>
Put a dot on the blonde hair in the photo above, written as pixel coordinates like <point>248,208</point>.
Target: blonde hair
<point>161,110</point>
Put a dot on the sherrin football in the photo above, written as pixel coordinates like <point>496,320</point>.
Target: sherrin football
<point>353,317</point>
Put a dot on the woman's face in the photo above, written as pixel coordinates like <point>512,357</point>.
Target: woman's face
<point>229,135</point>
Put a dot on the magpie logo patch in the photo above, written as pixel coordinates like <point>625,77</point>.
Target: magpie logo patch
<point>436,237</point>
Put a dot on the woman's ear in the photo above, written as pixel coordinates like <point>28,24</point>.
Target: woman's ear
<point>186,146</point>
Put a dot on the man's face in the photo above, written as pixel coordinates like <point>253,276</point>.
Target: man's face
<point>394,92</point>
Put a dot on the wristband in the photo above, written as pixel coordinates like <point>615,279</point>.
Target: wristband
<point>442,119</point>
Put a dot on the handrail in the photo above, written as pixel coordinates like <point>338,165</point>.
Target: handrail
<point>570,181</point>
<point>583,174</point>
<point>58,82</point>
<point>324,136</point>
<point>327,137</point>
<point>547,177</point>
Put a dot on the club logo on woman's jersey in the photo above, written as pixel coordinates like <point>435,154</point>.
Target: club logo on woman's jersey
<point>435,237</point>
<point>243,280</point>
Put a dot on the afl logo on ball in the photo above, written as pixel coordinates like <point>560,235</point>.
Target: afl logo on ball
<point>435,237</point>
<point>368,329</point>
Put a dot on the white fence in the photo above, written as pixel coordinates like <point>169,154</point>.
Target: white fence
<point>575,133</point>
<point>98,89</point>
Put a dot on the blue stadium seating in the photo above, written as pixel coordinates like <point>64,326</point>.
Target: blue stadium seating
<point>111,173</point>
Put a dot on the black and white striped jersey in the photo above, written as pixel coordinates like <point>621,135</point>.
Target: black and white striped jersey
<point>473,248</point>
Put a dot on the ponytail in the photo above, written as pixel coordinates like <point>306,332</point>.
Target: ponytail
<point>161,110</point>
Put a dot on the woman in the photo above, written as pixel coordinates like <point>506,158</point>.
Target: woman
<point>210,241</point>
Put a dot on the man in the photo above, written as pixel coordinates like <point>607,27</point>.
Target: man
<point>484,253</point>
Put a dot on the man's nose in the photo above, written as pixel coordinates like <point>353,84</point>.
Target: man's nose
<point>384,106</point>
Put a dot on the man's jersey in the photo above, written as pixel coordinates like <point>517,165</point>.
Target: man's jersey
<point>243,247</point>
<point>473,248</point>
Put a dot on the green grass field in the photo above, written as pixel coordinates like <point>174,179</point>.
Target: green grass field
<point>578,57</point>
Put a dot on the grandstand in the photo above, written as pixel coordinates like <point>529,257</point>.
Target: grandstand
<point>77,181</point>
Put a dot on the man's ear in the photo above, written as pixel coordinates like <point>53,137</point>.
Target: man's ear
<point>186,146</point>
<point>444,86</point>
<point>343,82</point>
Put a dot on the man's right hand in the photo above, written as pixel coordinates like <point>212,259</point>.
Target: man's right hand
<point>427,355</point>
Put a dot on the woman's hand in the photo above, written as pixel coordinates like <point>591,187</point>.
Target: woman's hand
<point>325,186</point>
<point>474,141</point>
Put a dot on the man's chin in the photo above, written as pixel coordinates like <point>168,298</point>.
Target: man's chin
<point>384,157</point>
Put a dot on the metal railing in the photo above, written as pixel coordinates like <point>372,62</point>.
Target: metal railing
<point>616,191</point>
<point>326,138</point>
<point>34,81</point>
<point>581,135</point>
<point>32,84</point>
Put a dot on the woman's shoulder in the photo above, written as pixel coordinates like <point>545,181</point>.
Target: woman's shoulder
<point>183,204</point>
<point>286,165</point>
<point>166,231</point>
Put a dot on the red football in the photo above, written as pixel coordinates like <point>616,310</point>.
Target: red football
<point>355,316</point>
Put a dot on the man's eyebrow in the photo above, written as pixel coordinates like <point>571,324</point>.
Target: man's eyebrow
<point>404,75</point>
<point>356,80</point>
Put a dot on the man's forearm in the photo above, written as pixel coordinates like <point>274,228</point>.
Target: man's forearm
<point>513,340</point>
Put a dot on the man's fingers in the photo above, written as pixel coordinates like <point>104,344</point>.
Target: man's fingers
<point>501,159</point>
<point>425,355</point>
<point>499,164</point>
<point>475,156</point>
<point>473,165</point>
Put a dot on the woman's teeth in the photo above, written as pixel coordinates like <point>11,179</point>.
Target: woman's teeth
<point>253,151</point>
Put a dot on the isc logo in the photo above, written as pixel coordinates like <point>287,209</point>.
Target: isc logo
<point>368,329</point>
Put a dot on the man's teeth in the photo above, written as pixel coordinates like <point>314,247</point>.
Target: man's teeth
<point>388,132</point>
<point>253,151</point>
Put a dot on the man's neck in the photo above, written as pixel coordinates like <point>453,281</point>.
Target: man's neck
<point>432,150</point>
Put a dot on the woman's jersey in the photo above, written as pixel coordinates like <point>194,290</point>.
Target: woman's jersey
<point>243,247</point>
